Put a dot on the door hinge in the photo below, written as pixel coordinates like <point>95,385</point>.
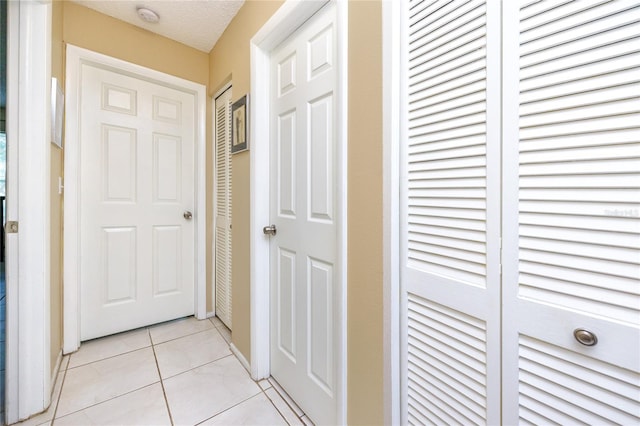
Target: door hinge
<point>11,227</point>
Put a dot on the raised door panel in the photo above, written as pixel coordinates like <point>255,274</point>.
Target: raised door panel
<point>167,168</point>
<point>287,165</point>
<point>120,164</point>
<point>119,256</point>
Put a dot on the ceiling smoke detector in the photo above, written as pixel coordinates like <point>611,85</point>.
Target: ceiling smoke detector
<point>148,15</point>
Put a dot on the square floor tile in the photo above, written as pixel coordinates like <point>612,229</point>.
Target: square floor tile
<point>203,392</point>
<point>145,406</point>
<point>179,355</point>
<point>256,411</point>
<point>106,347</point>
<point>178,328</point>
<point>100,381</point>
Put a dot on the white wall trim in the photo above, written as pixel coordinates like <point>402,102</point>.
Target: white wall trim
<point>241,358</point>
<point>391,115</point>
<point>283,23</point>
<point>28,361</point>
<point>75,57</point>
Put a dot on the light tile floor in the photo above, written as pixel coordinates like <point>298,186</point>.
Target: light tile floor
<point>181,373</point>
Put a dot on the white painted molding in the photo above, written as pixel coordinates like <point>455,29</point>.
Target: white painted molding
<point>76,56</point>
<point>392,111</point>
<point>240,357</point>
<point>28,362</point>
<point>287,18</point>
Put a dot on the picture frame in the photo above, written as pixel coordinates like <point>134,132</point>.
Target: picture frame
<point>240,125</point>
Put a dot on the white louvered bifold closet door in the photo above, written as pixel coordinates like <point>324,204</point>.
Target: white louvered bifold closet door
<point>223,207</point>
<point>572,241</point>
<point>451,213</point>
<point>532,145</point>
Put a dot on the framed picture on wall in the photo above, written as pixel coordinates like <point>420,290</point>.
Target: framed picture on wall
<point>240,125</point>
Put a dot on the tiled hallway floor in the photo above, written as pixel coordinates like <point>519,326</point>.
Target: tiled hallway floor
<point>181,372</point>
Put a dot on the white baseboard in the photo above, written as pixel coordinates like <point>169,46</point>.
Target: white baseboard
<point>240,357</point>
<point>56,368</point>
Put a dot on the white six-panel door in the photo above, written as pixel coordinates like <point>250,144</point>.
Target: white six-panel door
<point>303,209</point>
<point>522,155</point>
<point>137,187</point>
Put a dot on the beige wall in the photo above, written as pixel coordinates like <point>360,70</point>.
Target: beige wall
<point>230,60</point>
<point>57,70</point>
<point>100,33</point>
<point>87,28</point>
<point>364,291</point>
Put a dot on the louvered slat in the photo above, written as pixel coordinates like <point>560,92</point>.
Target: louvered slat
<point>447,365</point>
<point>580,156</point>
<point>567,387</point>
<point>447,133</point>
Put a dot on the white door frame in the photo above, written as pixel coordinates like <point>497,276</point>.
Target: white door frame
<point>28,329</point>
<point>392,134</point>
<point>77,56</point>
<point>291,15</point>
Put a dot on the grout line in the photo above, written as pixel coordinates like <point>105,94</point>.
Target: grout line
<point>286,398</point>
<point>103,402</point>
<point>164,392</point>
<point>276,407</point>
<point>229,408</point>
<point>196,367</point>
<point>64,376</point>
<point>103,359</point>
<point>182,337</point>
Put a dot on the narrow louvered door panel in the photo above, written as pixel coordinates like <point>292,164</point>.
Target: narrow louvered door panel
<point>223,207</point>
<point>450,202</point>
<point>573,258</point>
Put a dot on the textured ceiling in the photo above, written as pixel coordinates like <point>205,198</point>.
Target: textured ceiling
<point>196,23</point>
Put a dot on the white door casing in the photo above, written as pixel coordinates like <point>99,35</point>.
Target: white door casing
<point>143,192</point>
<point>564,80</point>
<point>28,370</point>
<point>137,181</point>
<point>222,207</point>
<point>291,15</point>
<point>303,210</point>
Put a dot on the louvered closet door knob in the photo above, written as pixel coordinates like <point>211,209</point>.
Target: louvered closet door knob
<point>585,337</point>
